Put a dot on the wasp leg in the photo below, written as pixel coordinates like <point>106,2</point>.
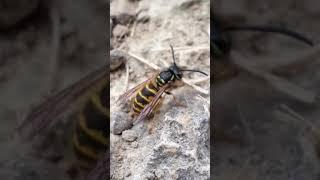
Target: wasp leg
<point>177,102</point>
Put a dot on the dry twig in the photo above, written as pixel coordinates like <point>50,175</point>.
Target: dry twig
<point>134,26</point>
<point>127,77</point>
<point>200,89</point>
<point>185,48</point>
<point>154,66</point>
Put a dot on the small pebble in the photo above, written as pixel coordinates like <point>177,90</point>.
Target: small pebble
<point>125,18</point>
<point>117,58</point>
<point>120,122</point>
<point>129,135</point>
<point>120,31</point>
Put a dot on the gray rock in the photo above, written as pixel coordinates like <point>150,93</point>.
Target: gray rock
<point>129,135</point>
<point>117,58</point>
<point>119,122</point>
<point>123,11</point>
<point>125,18</point>
<point>120,31</point>
<point>177,147</point>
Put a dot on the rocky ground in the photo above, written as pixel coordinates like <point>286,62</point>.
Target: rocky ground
<point>174,144</point>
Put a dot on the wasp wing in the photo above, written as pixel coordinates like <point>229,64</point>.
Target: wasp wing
<point>45,113</point>
<point>128,94</point>
<point>148,109</point>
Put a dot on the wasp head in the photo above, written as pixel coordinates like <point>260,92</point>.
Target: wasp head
<point>175,71</point>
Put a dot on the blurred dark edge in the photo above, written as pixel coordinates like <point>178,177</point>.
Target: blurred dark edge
<point>108,70</point>
<point>40,13</point>
<point>102,169</point>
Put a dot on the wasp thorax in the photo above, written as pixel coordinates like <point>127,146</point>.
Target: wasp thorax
<point>166,76</point>
<point>170,75</point>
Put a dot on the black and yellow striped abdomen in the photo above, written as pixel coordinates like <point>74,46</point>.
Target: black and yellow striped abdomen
<point>146,94</point>
<point>90,137</point>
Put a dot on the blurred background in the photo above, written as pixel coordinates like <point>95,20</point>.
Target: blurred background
<point>266,105</point>
<point>45,46</point>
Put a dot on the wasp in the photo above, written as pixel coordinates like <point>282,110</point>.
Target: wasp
<point>88,101</point>
<point>145,97</point>
<point>221,40</point>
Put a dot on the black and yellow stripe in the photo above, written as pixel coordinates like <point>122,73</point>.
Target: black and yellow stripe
<point>145,95</point>
<point>90,138</point>
<point>159,81</point>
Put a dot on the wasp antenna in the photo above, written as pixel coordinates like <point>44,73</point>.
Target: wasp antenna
<point>174,59</point>
<point>271,29</point>
<point>192,70</point>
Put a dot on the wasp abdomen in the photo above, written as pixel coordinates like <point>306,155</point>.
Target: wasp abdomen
<point>90,137</point>
<point>144,96</point>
